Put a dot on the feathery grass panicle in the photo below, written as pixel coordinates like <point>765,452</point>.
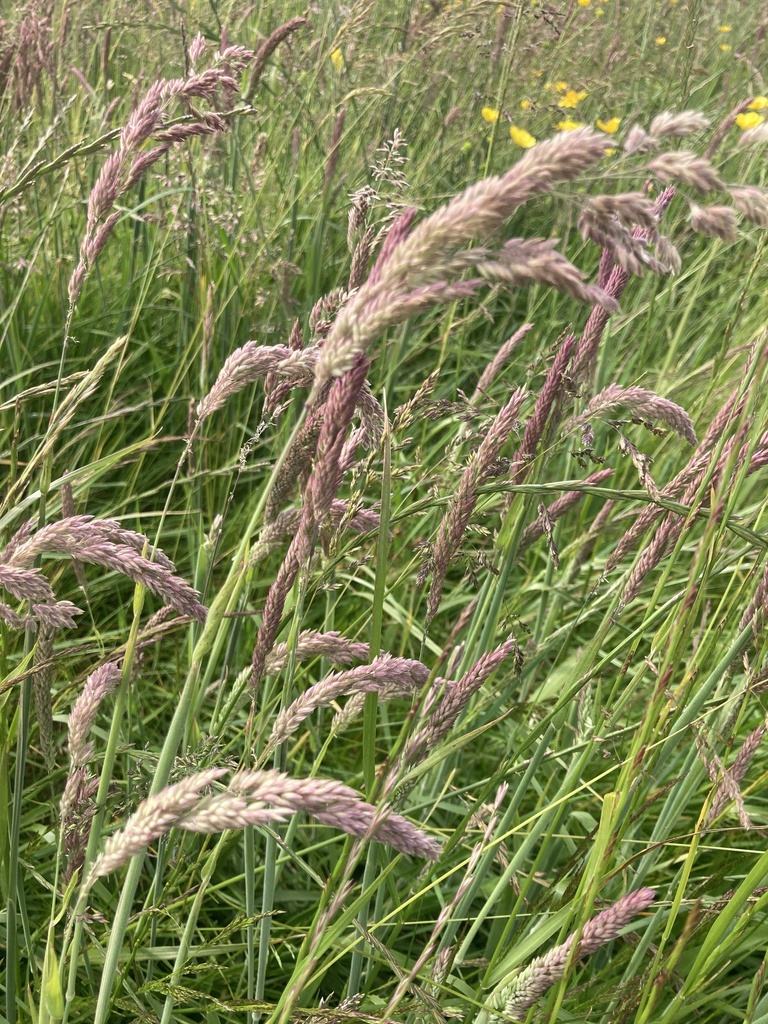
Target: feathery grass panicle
<point>11,618</point>
<point>752,203</point>
<point>387,676</point>
<point>123,169</point>
<point>332,646</point>
<point>276,389</point>
<point>461,506</point>
<point>542,409</point>
<point>319,494</point>
<point>59,615</point>
<point>681,165</point>
<point>756,136</point>
<point>105,543</point>
<point>513,1000</point>
<point>254,798</point>
<point>717,221</point>
<point>58,536</point>
<point>360,259</point>
<point>42,678</point>
<point>76,806</point>
<point>494,368</point>
<point>442,719</point>
<point>643,403</point>
<point>639,141</point>
<point>398,232</point>
<point>296,465</point>
<point>732,776</point>
<point>99,684</point>
<point>399,289</point>
<point>687,480</point>
<point>266,50</point>
<point>250,363</point>
<point>670,124</point>
<point>585,357</point>
<point>26,584</point>
<point>601,224</point>
<point>524,261</point>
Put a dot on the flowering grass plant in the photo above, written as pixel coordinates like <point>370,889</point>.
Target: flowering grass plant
<point>382,547</point>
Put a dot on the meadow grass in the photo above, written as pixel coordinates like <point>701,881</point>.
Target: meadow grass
<point>384,436</point>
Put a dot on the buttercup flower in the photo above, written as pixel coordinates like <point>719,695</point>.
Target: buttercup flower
<point>337,59</point>
<point>610,127</point>
<point>758,103</point>
<point>561,86</point>
<point>584,3</point>
<point>568,125</point>
<point>490,114</point>
<point>572,99</point>
<point>725,28</point>
<point>521,137</point>
<point>660,40</point>
<point>725,47</point>
<point>525,104</point>
<point>750,120</point>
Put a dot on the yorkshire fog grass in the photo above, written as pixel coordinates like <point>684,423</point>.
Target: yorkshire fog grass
<point>383,578</point>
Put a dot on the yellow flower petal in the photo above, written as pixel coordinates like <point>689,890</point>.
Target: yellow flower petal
<point>599,12</point>
<point>568,125</point>
<point>610,151</point>
<point>572,99</point>
<point>609,127</point>
<point>337,59</point>
<point>490,114</point>
<point>584,3</point>
<point>660,40</point>
<point>525,104</point>
<point>751,120</point>
<point>725,28</point>
<point>758,103</point>
<point>561,86</point>
<point>725,47</point>
<point>521,137</point>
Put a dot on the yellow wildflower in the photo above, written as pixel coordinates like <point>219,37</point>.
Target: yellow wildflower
<point>725,28</point>
<point>521,137</point>
<point>549,85</point>
<point>571,99</point>
<point>758,103</point>
<point>610,151</point>
<point>568,125</point>
<point>609,127</point>
<point>599,12</point>
<point>725,47</point>
<point>660,40</point>
<point>584,3</point>
<point>561,86</point>
<point>337,59</point>
<point>751,120</point>
<point>490,114</point>
<point>525,104</point>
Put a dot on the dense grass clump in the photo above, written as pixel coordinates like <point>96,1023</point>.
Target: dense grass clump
<point>384,443</point>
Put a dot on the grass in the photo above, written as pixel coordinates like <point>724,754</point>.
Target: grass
<point>617,746</point>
